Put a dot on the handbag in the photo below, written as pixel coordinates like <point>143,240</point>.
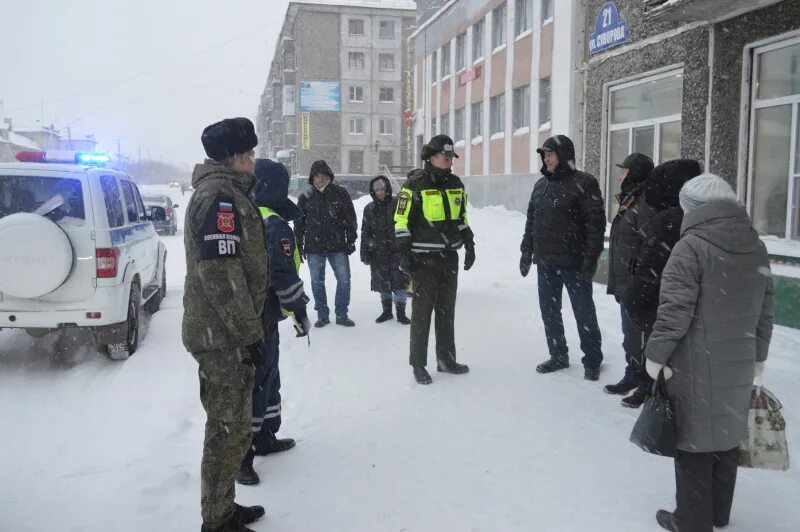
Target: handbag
<point>764,445</point>
<point>656,430</point>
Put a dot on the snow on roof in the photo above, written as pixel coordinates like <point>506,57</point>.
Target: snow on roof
<point>35,130</point>
<point>374,4</point>
<point>21,141</point>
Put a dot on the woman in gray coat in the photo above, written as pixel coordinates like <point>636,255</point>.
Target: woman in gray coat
<point>711,336</point>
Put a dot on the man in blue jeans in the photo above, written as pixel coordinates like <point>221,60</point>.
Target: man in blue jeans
<point>327,232</point>
<point>564,237</point>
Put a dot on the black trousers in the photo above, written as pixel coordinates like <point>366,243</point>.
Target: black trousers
<point>435,287</point>
<point>705,484</point>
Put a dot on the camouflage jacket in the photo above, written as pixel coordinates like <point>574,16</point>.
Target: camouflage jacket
<point>226,262</point>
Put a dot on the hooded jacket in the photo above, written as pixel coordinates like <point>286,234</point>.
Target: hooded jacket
<point>714,322</point>
<point>566,221</point>
<point>226,262</point>
<point>327,223</point>
<point>378,248</point>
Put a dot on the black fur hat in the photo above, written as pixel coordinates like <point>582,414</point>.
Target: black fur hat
<point>229,137</point>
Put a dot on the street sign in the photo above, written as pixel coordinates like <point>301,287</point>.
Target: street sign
<point>305,130</point>
<point>609,30</point>
<point>320,96</point>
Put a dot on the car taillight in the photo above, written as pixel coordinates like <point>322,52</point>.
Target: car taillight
<point>107,262</point>
<point>170,212</point>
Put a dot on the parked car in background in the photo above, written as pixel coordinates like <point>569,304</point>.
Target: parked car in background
<point>161,211</point>
<point>174,184</point>
<point>186,187</point>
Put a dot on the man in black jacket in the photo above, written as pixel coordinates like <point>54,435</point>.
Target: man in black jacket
<point>327,231</point>
<point>623,251</point>
<point>564,238</point>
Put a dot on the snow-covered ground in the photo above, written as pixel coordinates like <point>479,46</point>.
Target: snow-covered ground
<point>91,445</point>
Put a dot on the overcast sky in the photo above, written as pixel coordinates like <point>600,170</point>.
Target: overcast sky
<point>79,55</point>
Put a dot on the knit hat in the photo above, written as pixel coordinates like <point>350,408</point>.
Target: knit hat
<point>228,137</point>
<point>379,184</point>
<point>707,188</point>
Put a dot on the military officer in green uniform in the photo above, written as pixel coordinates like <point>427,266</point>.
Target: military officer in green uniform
<point>430,226</point>
<point>225,290</point>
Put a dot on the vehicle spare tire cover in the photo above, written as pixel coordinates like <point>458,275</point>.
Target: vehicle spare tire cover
<point>35,255</point>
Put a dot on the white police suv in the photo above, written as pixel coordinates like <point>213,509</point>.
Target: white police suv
<point>76,249</point>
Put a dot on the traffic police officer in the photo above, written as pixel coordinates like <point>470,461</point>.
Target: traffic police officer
<point>430,226</point>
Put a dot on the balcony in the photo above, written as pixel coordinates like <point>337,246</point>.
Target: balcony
<point>701,10</point>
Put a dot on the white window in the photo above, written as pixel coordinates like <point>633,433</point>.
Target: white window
<point>386,126</point>
<point>444,124</point>
<point>774,172</point>
<point>355,26</point>
<point>356,94</point>
<point>499,26</point>
<point>386,29</point>
<point>477,40</point>
<point>386,62</point>
<point>386,95</point>
<point>477,119</point>
<point>644,116</point>
<point>433,126</point>
<point>458,125</point>
<point>524,16</point>
<point>356,126</point>
<point>522,107</point>
<point>548,11</point>
<point>356,160</point>
<point>545,107</point>
<point>461,52</point>
<point>445,60</point>
<point>434,72</point>
<point>356,60</point>
<point>497,114</point>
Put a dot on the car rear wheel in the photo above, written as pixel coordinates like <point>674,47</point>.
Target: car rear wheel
<point>121,351</point>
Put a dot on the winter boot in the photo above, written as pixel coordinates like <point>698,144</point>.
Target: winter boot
<point>345,321</point>
<point>275,446</point>
<point>666,520</point>
<point>247,476</point>
<point>249,514</point>
<point>401,314</point>
<point>387,312</point>
<point>623,387</point>
<point>322,322</point>
<point>554,364</point>
<point>591,374</point>
<point>421,375</point>
<point>637,398</point>
<point>451,366</point>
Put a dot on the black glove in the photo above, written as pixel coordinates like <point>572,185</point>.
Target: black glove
<point>351,248</point>
<point>469,256</point>
<point>301,323</point>
<point>525,262</point>
<point>407,265</point>
<point>258,353</point>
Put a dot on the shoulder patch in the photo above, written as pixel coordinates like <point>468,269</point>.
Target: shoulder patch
<point>286,247</point>
<point>402,202</point>
<point>221,233</point>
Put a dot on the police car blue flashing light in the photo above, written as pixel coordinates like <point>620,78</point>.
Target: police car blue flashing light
<point>63,157</point>
<point>98,159</point>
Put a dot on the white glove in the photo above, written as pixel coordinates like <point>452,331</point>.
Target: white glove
<point>654,368</point>
<point>759,369</point>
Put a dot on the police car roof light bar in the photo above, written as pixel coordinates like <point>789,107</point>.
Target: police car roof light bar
<point>63,157</point>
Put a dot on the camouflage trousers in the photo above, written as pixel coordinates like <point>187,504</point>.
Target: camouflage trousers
<point>226,387</point>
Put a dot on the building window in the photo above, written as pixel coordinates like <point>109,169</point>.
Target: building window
<point>356,94</point>
<point>461,52</point>
<point>386,29</point>
<point>385,160</point>
<point>386,126</point>
<point>498,26</point>
<point>356,160</point>
<point>545,107</point>
<point>433,126</point>
<point>548,11</point>
<point>477,119</point>
<point>356,126</point>
<point>497,114</point>
<point>458,125</point>
<point>522,107</point>
<point>355,26</point>
<point>644,116</point>
<point>356,60</point>
<point>477,41</point>
<point>774,174</point>
<point>386,62</point>
<point>445,60</point>
<point>386,95</point>
<point>524,16</point>
<point>444,124</point>
<point>434,72</point>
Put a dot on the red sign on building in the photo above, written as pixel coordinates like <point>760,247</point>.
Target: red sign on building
<point>469,75</point>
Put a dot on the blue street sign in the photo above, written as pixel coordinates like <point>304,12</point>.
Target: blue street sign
<point>320,96</point>
<point>609,30</point>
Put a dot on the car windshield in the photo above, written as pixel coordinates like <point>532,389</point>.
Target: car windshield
<point>29,193</point>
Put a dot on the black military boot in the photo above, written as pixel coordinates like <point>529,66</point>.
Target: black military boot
<point>666,520</point>
<point>247,476</point>
<point>233,525</point>
<point>623,387</point>
<point>451,366</point>
<point>422,375</point>
<point>591,374</point>
<point>387,312</point>
<point>322,322</point>
<point>345,321</point>
<point>275,446</point>
<point>554,364</point>
<point>401,314</point>
<point>637,398</point>
<point>248,514</point>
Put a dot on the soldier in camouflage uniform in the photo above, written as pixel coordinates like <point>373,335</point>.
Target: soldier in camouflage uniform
<point>225,290</point>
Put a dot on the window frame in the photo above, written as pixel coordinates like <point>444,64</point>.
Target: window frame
<point>381,57</point>
<point>381,91</point>
<point>476,111</point>
<point>500,115</point>
<point>109,195</point>
<point>355,89</point>
<point>548,11</point>
<point>444,61</point>
<point>355,120</point>
<point>350,33</point>
<point>549,105</point>
<point>382,122</point>
<point>496,44</point>
<point>444,123</point>
<point>523,25</point>
<point>380,29</point>
<point>459,124</point>
<point>523,114</point>
<point>479,50</point>
<point>353,58</point>
<point>461,52</point>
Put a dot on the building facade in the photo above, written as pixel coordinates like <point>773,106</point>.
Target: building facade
<point>336,88</point>
<point>498,77</point>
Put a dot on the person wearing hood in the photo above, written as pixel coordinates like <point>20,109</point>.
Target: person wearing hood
<point>430,227</point>
<point>632,213</point>
<point>223,301</point>
<point>285,298</point>
<point>564,235</point>
<point>326,231</point>
<point>655,240</point>
<point>711,336</point>
<point>378,250</point>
